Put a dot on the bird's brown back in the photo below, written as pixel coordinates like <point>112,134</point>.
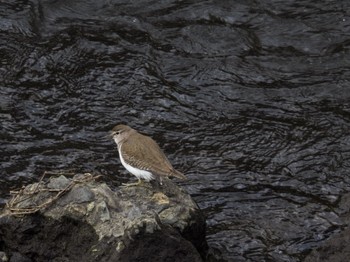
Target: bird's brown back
<point>144,152</point>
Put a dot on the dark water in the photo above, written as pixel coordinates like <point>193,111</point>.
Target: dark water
<point>251,99</point>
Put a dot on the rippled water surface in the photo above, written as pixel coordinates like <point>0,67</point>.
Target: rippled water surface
<point>251,99</point>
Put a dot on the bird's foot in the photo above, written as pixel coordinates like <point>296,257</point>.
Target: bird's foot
<point>138,183</point>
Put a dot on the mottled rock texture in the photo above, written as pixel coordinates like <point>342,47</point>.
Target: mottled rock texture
<point>91,222</point>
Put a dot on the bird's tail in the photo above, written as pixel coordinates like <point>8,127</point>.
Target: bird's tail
<point>178,174</point>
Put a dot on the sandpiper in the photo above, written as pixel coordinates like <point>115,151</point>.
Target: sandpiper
<point>142,156</point>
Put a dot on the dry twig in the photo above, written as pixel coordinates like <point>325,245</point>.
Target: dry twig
<point>23,194</point>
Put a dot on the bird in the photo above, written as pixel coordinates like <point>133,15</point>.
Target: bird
<point>142,156</point>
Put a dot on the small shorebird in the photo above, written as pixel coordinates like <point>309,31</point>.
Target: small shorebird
<point>142,156</point>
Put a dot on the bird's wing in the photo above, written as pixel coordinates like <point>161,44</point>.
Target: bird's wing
<point>152,158</point>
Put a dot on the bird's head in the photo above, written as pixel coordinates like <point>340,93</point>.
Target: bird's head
<point>120,132</point>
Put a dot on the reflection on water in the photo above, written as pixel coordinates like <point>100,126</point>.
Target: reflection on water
<point>249,99</point>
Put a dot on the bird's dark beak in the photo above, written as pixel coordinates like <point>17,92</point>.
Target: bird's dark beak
<point>110,135</point>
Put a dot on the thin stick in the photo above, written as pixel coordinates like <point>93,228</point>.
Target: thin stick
<point>11,205</point>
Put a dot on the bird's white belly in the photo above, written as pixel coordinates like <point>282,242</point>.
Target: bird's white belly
<point>146,175</point>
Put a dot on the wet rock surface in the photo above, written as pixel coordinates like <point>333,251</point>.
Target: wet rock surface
<point>337,247</point>
<point>90,222</point>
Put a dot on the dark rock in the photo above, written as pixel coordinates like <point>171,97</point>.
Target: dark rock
<point>90,222</point>
<point>18,257</point>
<point>78,194</point>
<point>337,247</point>
<point>152,247</point>
<point>60,182</point>
<point>39,238</point>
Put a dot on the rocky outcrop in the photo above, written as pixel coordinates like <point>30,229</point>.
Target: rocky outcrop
<point>80,219</point>
<point>336,248</point>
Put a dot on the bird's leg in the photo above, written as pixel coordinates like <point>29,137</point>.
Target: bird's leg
<point>159,180</point>
<point>138,183</point>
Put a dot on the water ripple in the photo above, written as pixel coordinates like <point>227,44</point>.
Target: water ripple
<point>248,99</point>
